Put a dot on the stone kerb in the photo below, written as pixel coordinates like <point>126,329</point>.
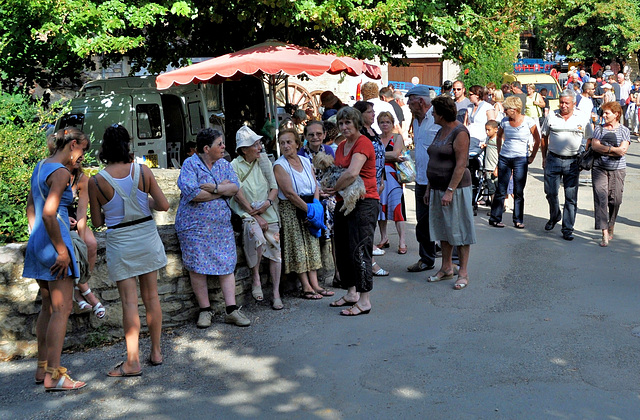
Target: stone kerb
<point>20,301</point>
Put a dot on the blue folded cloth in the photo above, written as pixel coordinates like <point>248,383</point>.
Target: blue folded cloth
<point>315,216</point>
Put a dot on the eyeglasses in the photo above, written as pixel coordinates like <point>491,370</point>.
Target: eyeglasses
<point>457,88</point>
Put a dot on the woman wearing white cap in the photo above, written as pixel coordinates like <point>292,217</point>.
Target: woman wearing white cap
<point>255,203</point>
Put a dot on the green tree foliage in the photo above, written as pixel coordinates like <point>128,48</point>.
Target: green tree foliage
<point>22,145</point>
<point>597,29</point>
<point>62,36</point>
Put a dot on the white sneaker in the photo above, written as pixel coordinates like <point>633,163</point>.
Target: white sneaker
<point>204,319</point>
<point>377,251</point>
<point>238,318</point>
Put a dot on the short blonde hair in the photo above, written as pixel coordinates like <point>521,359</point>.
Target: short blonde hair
<point>385,114</point>
<point>498,96</point>
<point>513,102</point>
<point>369,91</point>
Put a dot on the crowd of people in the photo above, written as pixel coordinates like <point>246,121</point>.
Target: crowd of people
<point>284,210</point>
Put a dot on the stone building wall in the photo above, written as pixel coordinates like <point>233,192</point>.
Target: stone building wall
<point>20,300</point>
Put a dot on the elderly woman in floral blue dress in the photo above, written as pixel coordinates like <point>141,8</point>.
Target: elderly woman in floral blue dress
<point>203,225</point>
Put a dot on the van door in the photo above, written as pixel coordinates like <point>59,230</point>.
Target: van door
<point>195,114</point>
<point>149,137</point>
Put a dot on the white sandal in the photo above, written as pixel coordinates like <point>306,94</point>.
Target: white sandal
<point>83,305</point>
<point>99,310</point>
<point>380,272</point>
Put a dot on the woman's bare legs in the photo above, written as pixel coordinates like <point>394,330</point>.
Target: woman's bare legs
<point>41,327</point>
<point>401,238</point>
<point>382,225</point>
<point>275,269</point>
<point>131,323</point>
<point>149,292</point>
<point>60,296</point>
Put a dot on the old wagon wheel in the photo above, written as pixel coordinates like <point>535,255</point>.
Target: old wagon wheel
<point>298,95</point>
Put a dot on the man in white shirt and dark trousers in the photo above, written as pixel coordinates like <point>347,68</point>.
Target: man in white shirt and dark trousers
<point>424,131</point>
<point>562,134</point>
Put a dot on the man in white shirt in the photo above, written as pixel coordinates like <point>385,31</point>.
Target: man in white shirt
<point>424,131</point>
<point>584,103</point>
<point>562,134</point>
<point>370,93</point>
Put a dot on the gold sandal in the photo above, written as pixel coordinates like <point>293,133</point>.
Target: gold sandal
<point>61,374</point>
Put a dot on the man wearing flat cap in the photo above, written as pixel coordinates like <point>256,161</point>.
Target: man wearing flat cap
<point>424,131</point>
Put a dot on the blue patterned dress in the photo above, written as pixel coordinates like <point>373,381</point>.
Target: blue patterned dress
<point>204,228</point>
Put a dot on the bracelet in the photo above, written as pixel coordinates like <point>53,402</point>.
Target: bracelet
<point>609,151</point>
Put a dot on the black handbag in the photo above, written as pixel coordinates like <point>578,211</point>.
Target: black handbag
<point>585,160</point>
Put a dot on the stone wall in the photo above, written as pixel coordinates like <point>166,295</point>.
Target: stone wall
<point>20,301</point>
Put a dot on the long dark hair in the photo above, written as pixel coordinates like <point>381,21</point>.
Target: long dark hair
<point>115,145</point>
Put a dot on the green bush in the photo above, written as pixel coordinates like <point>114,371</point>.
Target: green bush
<point>489,66</point>
<point>22,145</point>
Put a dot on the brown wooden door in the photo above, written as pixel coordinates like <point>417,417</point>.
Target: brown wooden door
<point>428,70</point>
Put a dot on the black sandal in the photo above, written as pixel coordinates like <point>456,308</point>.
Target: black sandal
<point>496,224</point>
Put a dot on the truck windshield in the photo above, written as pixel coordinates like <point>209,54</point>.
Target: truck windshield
<point>552,89</point>
<point>72,120</point>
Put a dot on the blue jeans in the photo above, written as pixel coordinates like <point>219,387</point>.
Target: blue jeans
<point>556,168</point>
<point>518,167</point>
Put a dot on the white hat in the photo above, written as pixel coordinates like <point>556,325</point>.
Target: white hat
<point>606,86</point>
<point>246,137</point>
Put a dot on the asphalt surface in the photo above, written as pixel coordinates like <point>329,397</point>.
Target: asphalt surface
<point>547,329</point>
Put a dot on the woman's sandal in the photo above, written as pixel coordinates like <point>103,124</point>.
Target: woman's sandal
<point>518,225</point>
<point>42,364</point>
<point>118,372</point>
<point>380,272</point>
<point>82,305</point>
<point>605,241</point>
<point>402,250</point>
<point>311,296</point>
<point>458,285</point>
<point>444,276</point>
<point>384,244</point>
<point>61,374</point>
<point>256,292</point>
<point>277,304</point>
<point>325,292</point>
<point>496,224</point>
<point>99,310</point>
<point>349,312</point>
<point>345,302</point>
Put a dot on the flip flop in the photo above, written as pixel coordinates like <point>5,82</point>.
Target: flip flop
<point>402,250</point>
<point>119,372</point>
<point>152,363</point>
<point>345,302</point>
<point>277,304</point>
<point>349,312</point>
<point>325,292</point>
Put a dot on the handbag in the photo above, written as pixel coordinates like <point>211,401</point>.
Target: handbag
<point>406,169</point>
<point>585,160</point>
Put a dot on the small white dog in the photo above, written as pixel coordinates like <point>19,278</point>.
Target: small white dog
<point>330,174</point>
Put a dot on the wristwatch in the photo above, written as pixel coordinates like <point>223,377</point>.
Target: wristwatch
<point>215,190</point>
<point>449,189</point>
<point>270,201</point>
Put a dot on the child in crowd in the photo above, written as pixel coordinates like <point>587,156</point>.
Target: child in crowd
<point>490,157</point>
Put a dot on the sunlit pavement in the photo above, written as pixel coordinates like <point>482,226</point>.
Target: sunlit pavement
<point>547,329</point>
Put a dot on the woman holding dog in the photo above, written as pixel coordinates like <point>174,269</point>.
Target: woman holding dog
<point>354,232</point>
<point>298,186</point>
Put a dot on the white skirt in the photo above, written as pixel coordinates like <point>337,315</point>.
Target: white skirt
<point>134,250</point>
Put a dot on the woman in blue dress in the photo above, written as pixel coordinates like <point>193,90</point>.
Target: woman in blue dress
<point>203,225</point>
<point>49,257</point>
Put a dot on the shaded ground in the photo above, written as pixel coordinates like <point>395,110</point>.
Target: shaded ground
<point>545,330</point>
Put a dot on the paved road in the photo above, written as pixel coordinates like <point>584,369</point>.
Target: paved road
<point>544,331</point>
